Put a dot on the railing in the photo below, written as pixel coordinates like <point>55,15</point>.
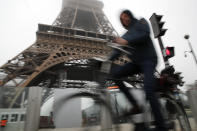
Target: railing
<point>55,30</point>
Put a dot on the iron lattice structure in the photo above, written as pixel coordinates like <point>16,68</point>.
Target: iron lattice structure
<point>79,33</point>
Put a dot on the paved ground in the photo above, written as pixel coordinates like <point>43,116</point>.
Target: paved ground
<point>193,124</point>
<point>123,127</point>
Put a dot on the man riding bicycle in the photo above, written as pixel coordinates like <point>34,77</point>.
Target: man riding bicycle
<point>143,60</point>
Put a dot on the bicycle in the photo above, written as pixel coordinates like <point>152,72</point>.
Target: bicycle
<point>170,104</point>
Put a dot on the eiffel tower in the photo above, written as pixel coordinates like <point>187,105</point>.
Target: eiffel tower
<point>80,32</point>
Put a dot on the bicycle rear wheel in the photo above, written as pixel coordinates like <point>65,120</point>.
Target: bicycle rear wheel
<point>175,112</point>
<point>96,115</point>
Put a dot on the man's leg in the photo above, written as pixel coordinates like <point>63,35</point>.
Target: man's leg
<point>123,71</point>
<point>148,69</point>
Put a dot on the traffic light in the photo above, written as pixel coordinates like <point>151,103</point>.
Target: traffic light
<point>168,52</point>
<point>157,25</point>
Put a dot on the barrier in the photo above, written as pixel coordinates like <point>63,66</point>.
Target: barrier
<point>33,109</point>
<point>192,98</point>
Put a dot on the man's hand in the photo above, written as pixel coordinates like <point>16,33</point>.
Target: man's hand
<point>121,41</point>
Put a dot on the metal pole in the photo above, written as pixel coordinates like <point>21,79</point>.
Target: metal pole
<point>106,120</point>
<point>192,51</point>
<point>33,109</point>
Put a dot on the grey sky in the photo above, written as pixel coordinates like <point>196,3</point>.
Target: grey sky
<point>19,20</point>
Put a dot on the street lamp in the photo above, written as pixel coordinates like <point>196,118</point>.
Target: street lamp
<point>192,51</point>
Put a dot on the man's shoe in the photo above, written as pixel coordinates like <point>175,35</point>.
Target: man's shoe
<point>141,127</point>
<point>168,125</point>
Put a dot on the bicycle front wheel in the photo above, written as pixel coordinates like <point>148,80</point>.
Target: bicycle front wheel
<point>96,114</point>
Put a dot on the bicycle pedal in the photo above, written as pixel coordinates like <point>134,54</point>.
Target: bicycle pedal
<point>133,111</point>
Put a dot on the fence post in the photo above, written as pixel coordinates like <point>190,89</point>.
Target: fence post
<point>33,109</point>
<point>106,120</point>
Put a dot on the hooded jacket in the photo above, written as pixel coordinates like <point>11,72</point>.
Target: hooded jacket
<point>138,37</point>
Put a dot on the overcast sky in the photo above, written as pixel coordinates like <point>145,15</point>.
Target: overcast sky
<point>20,18</point>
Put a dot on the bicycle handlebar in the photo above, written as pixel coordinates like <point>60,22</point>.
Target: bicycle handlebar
<point>120,47</point>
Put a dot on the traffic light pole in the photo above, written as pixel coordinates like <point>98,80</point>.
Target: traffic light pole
<point>157,25</point>
<point>162,49</point>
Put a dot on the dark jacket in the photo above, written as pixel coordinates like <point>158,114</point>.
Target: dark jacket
<point>138,37</point>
